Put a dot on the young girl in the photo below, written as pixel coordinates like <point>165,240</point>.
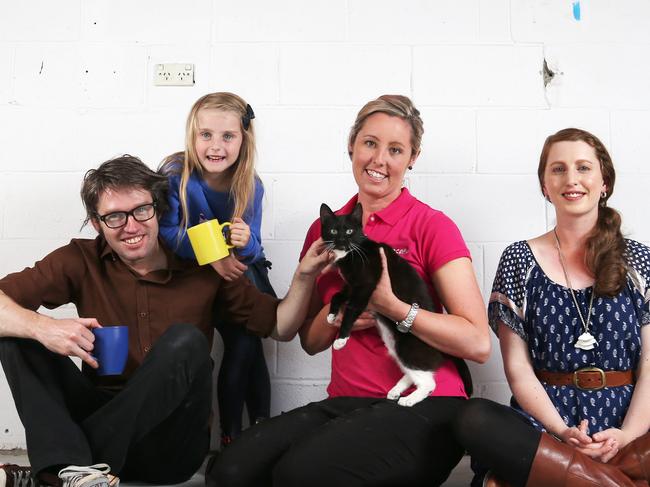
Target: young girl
<point>215,178</point>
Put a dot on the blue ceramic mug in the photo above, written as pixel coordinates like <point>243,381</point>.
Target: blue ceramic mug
<point>111,349</point>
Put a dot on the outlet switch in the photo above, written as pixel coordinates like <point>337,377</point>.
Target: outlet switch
<point>173,74</point>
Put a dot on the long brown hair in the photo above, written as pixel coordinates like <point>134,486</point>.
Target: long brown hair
<point>605,254</point>
<point>242,186</point>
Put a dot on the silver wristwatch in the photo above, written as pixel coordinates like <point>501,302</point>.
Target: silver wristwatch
<point>405,325</point>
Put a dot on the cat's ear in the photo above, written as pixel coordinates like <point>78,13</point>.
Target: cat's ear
<point>325,211</point>
<point>357,213</point>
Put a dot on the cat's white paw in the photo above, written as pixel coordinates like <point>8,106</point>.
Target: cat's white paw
<point>331,318</point>
<point>393,394</point>
<point>339,343</point>
<point>406,401</point>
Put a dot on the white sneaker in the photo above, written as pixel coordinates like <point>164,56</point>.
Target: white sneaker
<point>93,476</point>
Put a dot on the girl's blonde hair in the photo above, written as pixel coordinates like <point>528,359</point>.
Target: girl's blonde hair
<point>242,187</point>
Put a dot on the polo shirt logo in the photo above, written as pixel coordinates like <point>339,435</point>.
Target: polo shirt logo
<point>401,251</point>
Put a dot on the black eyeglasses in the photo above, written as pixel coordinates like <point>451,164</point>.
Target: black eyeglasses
<point>118,219</point>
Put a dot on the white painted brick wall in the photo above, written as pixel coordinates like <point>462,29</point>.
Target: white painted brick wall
<point>47,75</point>
<point>280,21</point>
<point>628,199</point>
<point>494,21</point>
<point>483,75</point>
<point>283,134</point>
<point>601,21</point>
<point>250,70</point>
<point>76,89</point>
<point>342,74</point>
<point>148,21</point>
<point>599,75</point>
<point>449,142</point>
<point>500,152</point>
<point>40,20</point>
<point>415,22</point>
<point>630,143</point>
<point>6,62</point>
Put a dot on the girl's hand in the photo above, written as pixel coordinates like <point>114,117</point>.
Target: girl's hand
<point>229,267</point>
<point>240,233</point>
<point>315,260</point>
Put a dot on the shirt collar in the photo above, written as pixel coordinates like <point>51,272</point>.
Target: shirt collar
<point>392,213</point>
<point>174,263</point>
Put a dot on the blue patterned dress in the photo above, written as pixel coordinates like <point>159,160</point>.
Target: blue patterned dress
<point>543,314</point>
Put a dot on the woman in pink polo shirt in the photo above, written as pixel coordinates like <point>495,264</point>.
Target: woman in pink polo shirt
<point>357,437</point>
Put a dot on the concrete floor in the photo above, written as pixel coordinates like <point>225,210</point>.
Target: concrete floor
<point>460,477</point>
<point>19,457</point>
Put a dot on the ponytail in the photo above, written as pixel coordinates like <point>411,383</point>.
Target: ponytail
<point>605,256</point>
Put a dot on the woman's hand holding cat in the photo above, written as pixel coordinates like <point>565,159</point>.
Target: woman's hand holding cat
<point>365,320</point>
<point>229,267</point>
<point>240,233</point>
<point>383,299</point>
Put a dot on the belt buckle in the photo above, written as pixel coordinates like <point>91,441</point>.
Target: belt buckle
<point>603,379</point>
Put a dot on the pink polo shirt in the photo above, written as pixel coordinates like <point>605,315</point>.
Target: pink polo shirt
<point>427,239</point>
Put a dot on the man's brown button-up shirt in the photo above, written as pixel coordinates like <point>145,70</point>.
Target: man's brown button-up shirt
<point>89,274</point>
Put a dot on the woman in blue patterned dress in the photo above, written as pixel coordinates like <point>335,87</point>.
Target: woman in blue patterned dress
<point>570,309</point>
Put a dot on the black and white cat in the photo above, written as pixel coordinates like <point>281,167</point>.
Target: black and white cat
<point>359,262</point>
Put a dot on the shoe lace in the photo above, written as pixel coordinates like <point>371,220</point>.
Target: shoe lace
<point>93,475</point>
<point>20,476</point>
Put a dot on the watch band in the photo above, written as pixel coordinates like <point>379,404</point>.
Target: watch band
<point>405,325</point>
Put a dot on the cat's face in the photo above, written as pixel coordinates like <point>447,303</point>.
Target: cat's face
<point>341,233</point>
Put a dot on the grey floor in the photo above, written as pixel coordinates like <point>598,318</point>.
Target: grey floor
<point>460,477</point>
<point>19,457</point>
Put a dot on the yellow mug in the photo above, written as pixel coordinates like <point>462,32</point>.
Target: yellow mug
<point>208,241</point>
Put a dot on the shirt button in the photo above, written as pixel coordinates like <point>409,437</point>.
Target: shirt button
<point>143,314</point>
<point>372,218</point>
<point>146,349</point>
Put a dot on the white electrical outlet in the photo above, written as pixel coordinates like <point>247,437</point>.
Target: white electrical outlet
<point>173,74</point>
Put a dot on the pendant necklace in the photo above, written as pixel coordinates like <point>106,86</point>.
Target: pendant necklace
<point>586,340</point>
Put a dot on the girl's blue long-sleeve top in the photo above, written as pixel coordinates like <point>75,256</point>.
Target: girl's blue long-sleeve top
<point>205,203</point>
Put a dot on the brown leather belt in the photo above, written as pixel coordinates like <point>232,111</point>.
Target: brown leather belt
<point>588,378</point>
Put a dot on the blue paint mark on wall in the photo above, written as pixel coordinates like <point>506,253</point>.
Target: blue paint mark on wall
<point>576,10</point>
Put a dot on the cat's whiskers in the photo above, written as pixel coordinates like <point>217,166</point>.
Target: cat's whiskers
<point>329,245</point>
<point>356,249</point>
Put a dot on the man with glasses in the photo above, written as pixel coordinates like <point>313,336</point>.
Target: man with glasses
<point>151,422</point>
